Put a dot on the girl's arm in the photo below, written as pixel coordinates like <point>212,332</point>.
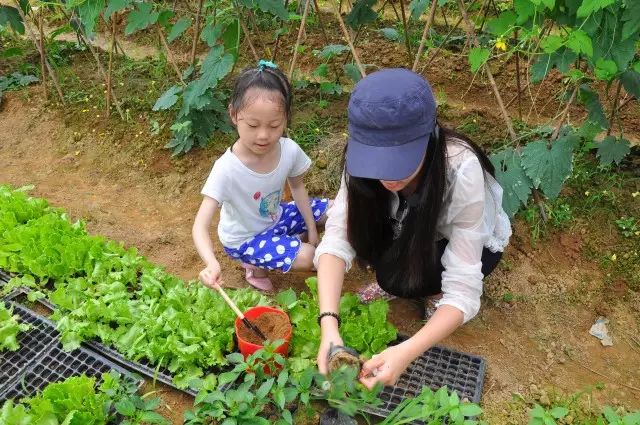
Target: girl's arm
<point>301,198</point>
<point>211,275</point>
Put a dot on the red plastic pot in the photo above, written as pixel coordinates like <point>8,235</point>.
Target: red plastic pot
<point>247,348</point>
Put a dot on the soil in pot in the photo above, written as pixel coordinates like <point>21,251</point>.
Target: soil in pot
<point>273,325</point>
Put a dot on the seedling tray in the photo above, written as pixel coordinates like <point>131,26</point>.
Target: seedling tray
<point>437,367</point>
<point>4,277</point>
<point>142,366</point>
<point>41,360</point>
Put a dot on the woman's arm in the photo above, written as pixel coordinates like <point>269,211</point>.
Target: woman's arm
<point>211,275</point>
<point>301,198</point>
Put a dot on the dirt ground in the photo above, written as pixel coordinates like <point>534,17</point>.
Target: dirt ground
<point>538,342</point>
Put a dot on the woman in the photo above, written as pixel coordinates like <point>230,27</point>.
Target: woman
<point>419,204</point>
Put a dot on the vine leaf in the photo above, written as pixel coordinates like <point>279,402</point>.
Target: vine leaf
<point>168,99</point>
<point>178,29</point>
<point>612,150</point>
<point>631,82</point>
<point>580,42</point>
<point>231,38</point>
<point>89,12</point>
<point>512,177</point>
<point>390,34</point>
<point>352,71</point>
<point>561,59</point>
<point>477,57</point>
<point>141,18</point>
<point>631,18</point>
<point>606,69</point>
<point>548,168</point>
<point>362,13</point>
<point>590,6</point>
<point>115,6</point>
<point>331,50</point>
<point>503,23</point>
<point>210,34</point>
<point>591,101</point>
<point>417,8</point>
<point>10,15</point>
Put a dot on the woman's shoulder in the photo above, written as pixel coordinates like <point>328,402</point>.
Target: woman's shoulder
<point>459,154</point>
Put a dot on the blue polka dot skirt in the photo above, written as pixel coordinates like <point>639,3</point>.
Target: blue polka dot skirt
<point>277,247</point>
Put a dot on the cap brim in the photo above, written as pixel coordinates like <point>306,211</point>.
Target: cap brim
<point>385,163</point>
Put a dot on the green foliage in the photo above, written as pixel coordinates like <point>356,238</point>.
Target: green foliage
<point>362,13</point>
<point>15,81</point>
<point>556,415</point>
<point>114,6</point>
<point>391,34</point>
<point>10,16</point>
<point>140,18</point>
<point>10,328</point>
<point>628,226</point>
<point>548,167</point>
<point>513,179</point>
<point>77,400</point>
<point>417,8</point>
<point>89,11</point>
<point>178,29</point>
<point>612,149</point>
<point>477,57</point>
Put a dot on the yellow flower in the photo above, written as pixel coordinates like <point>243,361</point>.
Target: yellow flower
<point>614,257</point>
<point>587,193</point>
<point>501,45</point>
<point>635,194</point>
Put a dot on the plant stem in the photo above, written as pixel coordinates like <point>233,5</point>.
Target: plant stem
<point>300,31</point>
<point>277,42</point>
<point>472,35</point>
<point>565,113</point>
<point>246,31</point>
<point>518,80</point>
<point>196,33</point>
<point>348,38</point>
<point>406,30</point>
<point>169,54</point>
<point>614,108</point>
<point>425,32</point>
<point>110,67</point>
<point>42,55</point>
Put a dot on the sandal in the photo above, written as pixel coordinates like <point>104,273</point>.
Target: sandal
<point>261,283</point>
<point>372,292</point>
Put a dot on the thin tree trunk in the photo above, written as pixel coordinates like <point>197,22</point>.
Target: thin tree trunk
<point>246,31</point>
<point>406,31</point>
<point>42,55</point>
<point>614,108</point>
<point>277,42</point>
<point>300,31</point>
<point>34,39</point>
<point>425,33</point>
<point>518,84</point>
<point>258,33</point>
<point>345,33</point>
<point>565,113</point>
<point>472,35</point>
<point>172,60</point>
<point>196,33</point>
<point>110,68</point>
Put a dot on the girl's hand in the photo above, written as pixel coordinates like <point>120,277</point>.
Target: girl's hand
<point>328,337</point>
<point>385,367</point>
<point>312,236</point>
<point>211,276</point>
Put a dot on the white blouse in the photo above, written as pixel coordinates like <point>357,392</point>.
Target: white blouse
<point>471,218</point>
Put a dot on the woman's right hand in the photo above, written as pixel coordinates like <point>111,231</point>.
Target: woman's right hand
<point>211,276</point>
<point>329,337</point>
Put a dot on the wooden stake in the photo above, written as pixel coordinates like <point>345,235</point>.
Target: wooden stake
<point>472,35</point>
<point>172,60</point>
<point>427,26</point>
<point>614,108</point>
<point>34,39</point>
<point>277,42</point>
<point>246,31</point>
<point>110,68</point>
<point>406,30</point>
<point>565,113</point>
<point>300,31</point>
<point>345,32</point>
<point>519,94</point>
<point>258,33</point>
<point>42,55</point>
<point>196,33</point>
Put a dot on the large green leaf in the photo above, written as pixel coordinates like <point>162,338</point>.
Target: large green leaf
<point>168,99</point>
<point>362,13</point>
<point>561,59</point>
<point>548,168</point>
<point>606,69</point>
<point>231,38</point>
<point>580,42</point>
<point>178,29</point>
<point>417,8</point>
<point>114,6</point>
<point>391,34</point>
<point>89,12</point>
<point>332,50</point>
<point>515,183</point>
<point>352,71</point>
<point>275,7</point>
<point>631,19</point>
<point>591,101</point>
<point>590,6</point>
<point>9,15</point>
<point>211,33</point>
<point>503,23</point>
<point>478,56</point>
<point>612,150</point>
<point>551,43</point>
<point>631,82</point>
<point>140,18</point>
<point>525,10</point>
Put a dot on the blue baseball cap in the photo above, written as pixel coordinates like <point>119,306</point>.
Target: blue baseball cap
<point>391,115</point>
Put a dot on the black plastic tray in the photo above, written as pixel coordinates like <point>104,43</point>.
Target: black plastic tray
<point>437,367</point>
<point>4,277</point>
<point>142,366</point>
<point>44,361</point>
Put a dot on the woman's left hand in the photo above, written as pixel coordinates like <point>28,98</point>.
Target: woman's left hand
<point>386,367</point>
<point>313,238</point>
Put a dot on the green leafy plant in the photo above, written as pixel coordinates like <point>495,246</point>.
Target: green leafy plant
<point>628,226</point>
<point>10,328</point>
<point>540,416</point>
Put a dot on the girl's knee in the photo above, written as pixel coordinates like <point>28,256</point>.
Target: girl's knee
<point>304,260</point>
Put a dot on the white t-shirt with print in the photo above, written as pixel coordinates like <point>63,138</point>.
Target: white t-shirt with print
<point>251,201</point>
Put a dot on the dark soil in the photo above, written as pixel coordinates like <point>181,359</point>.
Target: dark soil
<point>273,325</point>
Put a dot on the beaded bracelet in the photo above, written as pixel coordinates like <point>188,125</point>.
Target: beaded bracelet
<point>327,313</point>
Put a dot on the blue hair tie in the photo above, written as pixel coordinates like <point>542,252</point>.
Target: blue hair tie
<point>266,64</point>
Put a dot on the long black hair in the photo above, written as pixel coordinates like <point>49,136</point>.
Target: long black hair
<point>404,263</point>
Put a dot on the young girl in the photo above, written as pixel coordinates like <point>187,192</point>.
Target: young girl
<point>247,181</point>
<point>420,205</point>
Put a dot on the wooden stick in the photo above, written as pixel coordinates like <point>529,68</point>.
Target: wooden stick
<point>42,55</point>
<point>172,60</point>
<point>519,94</point>
<point>406,31</point>
<point>110,67</point>
<point>439,48</point>
<point>277,42</point>
<point>432,14</point>
<point>300,31</point>
<point>565,113</point>
<point>246,31</point>
<point>472,35</point>
<point>196,33</point>
<point>345,33</point>
<point>614,108</point>
<point>258,33</point>
<point>34,39</point>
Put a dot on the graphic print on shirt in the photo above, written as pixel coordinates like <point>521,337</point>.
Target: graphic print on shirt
<point>270,205</point>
